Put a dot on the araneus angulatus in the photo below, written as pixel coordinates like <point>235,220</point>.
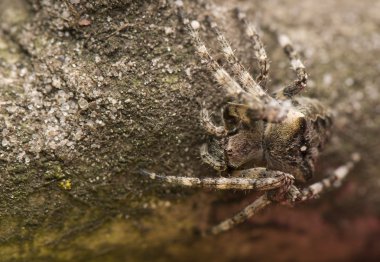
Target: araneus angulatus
<point>283,131</point>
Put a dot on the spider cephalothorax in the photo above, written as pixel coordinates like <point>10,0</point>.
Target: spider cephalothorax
<point>264,142</point>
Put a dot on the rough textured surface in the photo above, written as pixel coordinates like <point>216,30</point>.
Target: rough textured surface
<point>93,91</point>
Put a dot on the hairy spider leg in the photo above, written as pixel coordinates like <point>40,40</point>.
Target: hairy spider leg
<point>241,216</point>
<point>296,64</point>
<point>221,76</point>
<point>217,164</point>
<point>209,125</point>
<point>258,48</point>
<point>263,180</point>
<point>262,107</point>
<point>293,195</point>
<point>334,180</point>
<point>238,70</point>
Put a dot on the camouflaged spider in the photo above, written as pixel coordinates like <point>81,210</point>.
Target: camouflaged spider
<point>282,132</point>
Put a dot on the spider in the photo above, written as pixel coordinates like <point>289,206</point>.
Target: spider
<point>265,142</point>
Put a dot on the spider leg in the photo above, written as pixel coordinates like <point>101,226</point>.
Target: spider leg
<point>240,217</point>
<point>293,194</point>
<point>238,70</point>
<point>269,110</point>
<point>334,180</point>
<point>258,48</point>
<point>256,99</point>
<point>270,113</point>
<point>209,125</point>
<point>263,180</point>
<point>221,75</point>
<point>209,159</point>
<point>296,64</point>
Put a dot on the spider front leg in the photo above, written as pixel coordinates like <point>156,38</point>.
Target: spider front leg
<point>286,193</point>
<point>249,93</point>
<point>238,70</point>
<point>271,113</point>
<point>259,179</point>
<point>220,75</point>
